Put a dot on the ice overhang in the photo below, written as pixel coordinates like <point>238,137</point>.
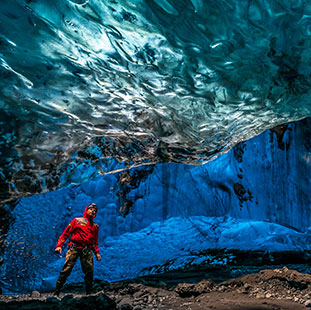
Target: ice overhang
<point>97,86</point>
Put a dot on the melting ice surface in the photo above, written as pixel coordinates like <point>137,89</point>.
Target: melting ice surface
<point>142,81</point>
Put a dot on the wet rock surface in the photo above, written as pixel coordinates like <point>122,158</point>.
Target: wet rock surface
<point>278,289</point>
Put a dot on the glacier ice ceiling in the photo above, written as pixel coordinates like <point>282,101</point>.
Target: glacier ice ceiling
<point>142,81</point>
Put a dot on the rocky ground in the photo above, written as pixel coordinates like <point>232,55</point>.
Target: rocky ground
<point>273,289</point>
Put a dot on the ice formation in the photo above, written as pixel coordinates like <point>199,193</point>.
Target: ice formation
<point>255,197</point>
<point>91,88</point>
<point>142,81</point>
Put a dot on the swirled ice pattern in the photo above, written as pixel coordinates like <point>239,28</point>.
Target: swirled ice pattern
<point>143,81</point>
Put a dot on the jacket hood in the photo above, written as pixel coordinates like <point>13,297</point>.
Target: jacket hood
<point>85,214</point>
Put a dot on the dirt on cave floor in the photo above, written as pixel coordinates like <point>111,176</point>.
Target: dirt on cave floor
<point>274,289</point>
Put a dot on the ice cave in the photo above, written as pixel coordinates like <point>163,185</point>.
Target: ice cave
<point>186,122</point>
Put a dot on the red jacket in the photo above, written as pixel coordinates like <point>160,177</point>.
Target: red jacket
<point>83,232</point>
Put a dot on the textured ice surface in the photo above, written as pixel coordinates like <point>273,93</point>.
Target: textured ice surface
<point>133,254</point>
<point>142,81</point>
<point>254,197</point>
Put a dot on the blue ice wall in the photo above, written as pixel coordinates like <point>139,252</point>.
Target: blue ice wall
<point>254,197</point>
<point>144,81</point>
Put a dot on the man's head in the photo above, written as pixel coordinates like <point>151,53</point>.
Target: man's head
<point>91,210</point>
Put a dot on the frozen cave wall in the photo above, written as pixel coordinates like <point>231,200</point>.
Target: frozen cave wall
<point>256,196</point>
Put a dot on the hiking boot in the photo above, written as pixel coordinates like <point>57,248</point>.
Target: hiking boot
<point>56,293</point>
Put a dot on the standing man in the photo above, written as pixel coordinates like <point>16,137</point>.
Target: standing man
<point>83,240</point>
